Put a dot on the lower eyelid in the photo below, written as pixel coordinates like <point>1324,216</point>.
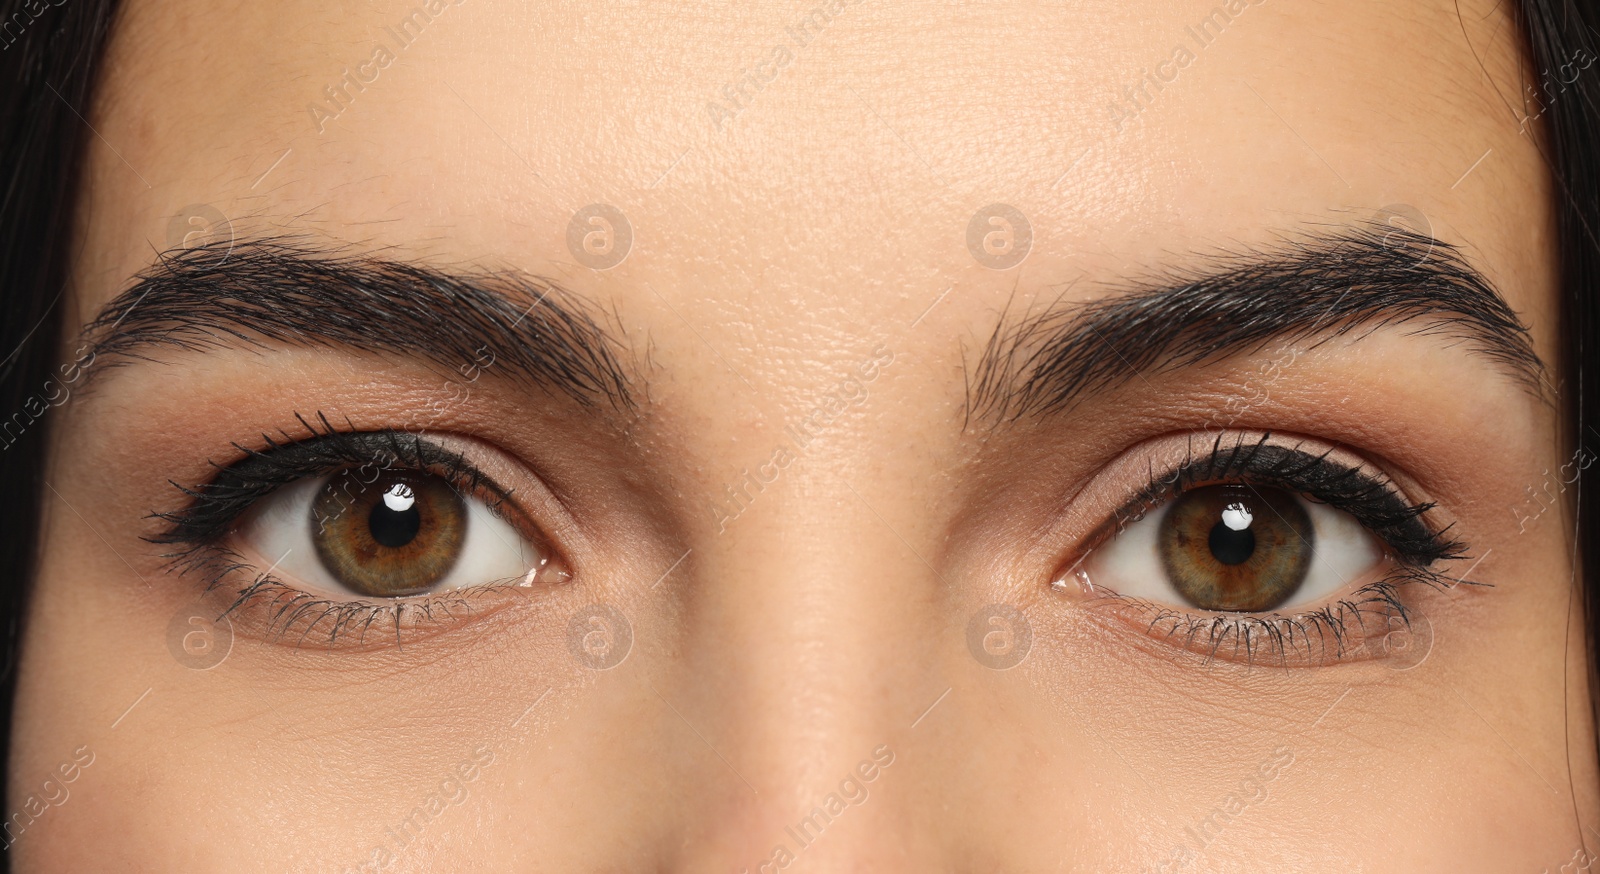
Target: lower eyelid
<point>1353,628</point>
<point>268,610</point>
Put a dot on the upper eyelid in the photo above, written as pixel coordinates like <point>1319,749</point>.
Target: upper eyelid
<point>1425,543</point>
<point>185,525</point>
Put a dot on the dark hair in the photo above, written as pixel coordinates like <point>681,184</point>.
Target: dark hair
<point>50,54</point>
<point>1557,30</point>
<point>49,59</point>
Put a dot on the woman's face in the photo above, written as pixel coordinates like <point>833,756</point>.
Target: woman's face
<point>869,437</point>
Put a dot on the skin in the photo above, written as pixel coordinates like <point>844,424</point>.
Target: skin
<point>773,255</point>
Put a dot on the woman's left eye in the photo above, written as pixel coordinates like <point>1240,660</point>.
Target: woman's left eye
<point>1236,548</point>
<point>384,534</point>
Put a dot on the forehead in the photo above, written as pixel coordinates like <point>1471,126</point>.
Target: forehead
<point>797,168</point>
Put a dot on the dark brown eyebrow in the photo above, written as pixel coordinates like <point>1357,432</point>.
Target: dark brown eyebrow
<point>294,292</point>
<point>1318,285</point>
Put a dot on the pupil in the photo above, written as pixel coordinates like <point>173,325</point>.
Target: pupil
<point>1236,549</point>
<point>394,527</point>
<point>1231,546</point>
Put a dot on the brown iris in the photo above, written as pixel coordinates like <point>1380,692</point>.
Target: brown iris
<point>396,535</point>
<point>1236,548</point>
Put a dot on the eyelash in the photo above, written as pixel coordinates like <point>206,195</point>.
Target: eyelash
<point>1371,499</point>
<point>213,508</point>
<point>202,526</point>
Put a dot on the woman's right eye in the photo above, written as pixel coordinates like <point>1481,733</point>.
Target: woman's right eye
<point>385,534</point>
<point>337,530</point>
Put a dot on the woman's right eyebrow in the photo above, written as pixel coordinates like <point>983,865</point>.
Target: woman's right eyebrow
<point>1317,286</point>
<point>252,293</point>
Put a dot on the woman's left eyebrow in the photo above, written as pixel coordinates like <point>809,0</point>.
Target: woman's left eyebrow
<point>254,293</point>
<point>1317,286</point>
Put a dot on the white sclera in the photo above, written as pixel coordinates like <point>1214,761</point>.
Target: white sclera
<point>281,528</point>
<point>1343,551</point>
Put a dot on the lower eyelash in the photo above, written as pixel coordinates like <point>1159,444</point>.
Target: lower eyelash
<point>1341,631</point>
<point>281,608</point>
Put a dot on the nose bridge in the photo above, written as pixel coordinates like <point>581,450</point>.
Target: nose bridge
<point>806,630</point>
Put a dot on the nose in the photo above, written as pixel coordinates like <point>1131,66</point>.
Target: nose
<point>804,693</point>
<point>804,659</point>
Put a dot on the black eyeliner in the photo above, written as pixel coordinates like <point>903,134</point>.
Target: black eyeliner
<point>1339,628</point>
<point>213,507</point>
<point>1371,499</point>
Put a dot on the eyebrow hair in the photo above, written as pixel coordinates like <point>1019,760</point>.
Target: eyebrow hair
<point>1321,285</point>
<point>293,292</point>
